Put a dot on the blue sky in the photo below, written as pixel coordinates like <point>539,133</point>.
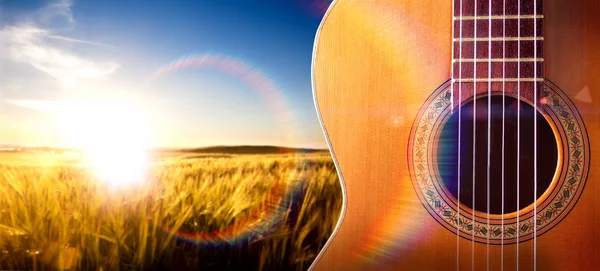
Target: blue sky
<point>63,53</point>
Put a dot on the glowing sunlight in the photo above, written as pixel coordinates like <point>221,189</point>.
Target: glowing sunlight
<point>112,136</point>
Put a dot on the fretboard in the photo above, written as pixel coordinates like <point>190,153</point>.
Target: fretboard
<point>516,55</point>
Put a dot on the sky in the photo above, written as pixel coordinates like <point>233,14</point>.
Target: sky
<point>191,74</point>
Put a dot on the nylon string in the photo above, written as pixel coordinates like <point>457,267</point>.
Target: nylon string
<point>459,131</point>
<point>518,123</point>
<point>489,133</point>
<point>474,134</point>
<point>503,127</point>
<point>534,135</point>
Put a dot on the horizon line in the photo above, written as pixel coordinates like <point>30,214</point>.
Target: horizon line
<point>163,147</point>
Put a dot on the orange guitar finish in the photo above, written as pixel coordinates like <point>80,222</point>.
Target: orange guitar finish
<point>375,64</point>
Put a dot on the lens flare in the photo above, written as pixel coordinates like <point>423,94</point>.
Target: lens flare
<point>259,223</point>
<point>112,136</point>
<point>317,8</point>
<point>273,209</point>
<point>395,229</point>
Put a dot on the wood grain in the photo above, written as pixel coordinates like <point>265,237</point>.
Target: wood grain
<point>375,64</point>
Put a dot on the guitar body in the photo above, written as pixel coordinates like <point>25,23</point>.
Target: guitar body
<point>376,64</point>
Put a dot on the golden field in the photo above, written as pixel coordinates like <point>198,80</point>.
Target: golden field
<point>55,214</point>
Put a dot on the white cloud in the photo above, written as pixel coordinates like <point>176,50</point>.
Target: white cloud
<point>34,43</point>
<point>57,37</point>
<point>31,45</point>
<point>57,15</point>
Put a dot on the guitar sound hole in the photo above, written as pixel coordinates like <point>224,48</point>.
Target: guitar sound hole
<point>447,155</point>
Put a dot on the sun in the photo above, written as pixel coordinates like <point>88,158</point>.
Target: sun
<point>113,138</point>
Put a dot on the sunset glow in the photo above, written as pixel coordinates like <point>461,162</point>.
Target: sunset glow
<point>113,137</point>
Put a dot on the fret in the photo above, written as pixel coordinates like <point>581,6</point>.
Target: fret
<point>511,49</point>
<point>498,39</point>
<point>512,7</point>
<point>498,80</point>
<point>498,60</point>
<point>504,55</point>
<point>497,17</point>
<point>510,88</point>
<point>499,69</point>
<point>512,27</point>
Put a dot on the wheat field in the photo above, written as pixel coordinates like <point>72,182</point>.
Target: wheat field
<point>244,212</point>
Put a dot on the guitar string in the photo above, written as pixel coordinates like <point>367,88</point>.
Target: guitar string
<point>452,79</point>
<point>503,127</point>
<point>474,138</point>
<point>460,22</point>
<point>518,124</point>
<point>535,138</point>
<point>489,133</point>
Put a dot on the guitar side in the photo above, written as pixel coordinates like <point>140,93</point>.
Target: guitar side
<point>375,63</point>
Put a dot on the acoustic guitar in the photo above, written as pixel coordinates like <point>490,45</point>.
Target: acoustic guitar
<point>466,133</point>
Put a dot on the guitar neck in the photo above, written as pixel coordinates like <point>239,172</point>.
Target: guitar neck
<point>498,46</point>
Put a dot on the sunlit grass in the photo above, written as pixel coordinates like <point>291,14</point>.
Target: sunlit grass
<point>57,215</point>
